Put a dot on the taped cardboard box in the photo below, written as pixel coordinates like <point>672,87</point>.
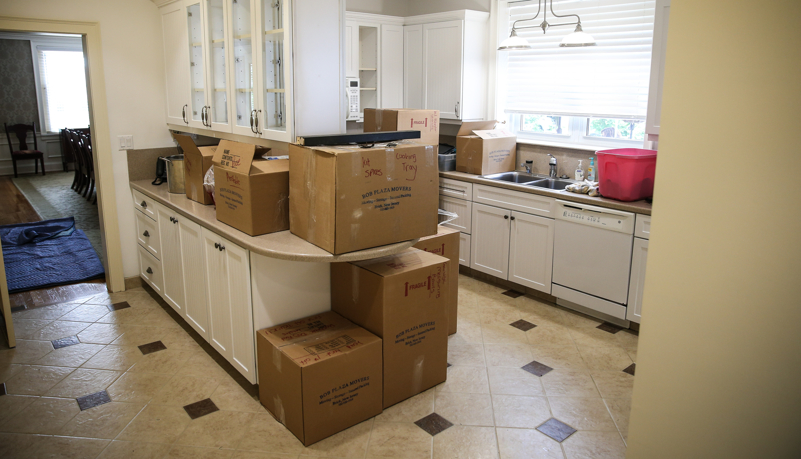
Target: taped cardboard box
<point>251,193</point>
<point>446,244</point>
<point>404,119</point>
<point>404,300</point>
<point>197,160</point>
<point>347,198</point>
<point>319,375</point>
<point>488,151</point>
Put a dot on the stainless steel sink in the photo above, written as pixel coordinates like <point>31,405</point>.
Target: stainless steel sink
<point>513,177</point>
<point>553,184</point>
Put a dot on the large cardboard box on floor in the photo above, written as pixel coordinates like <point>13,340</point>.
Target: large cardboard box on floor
<point>319,375</point>
<point>446,244</point>
<point>488,151</point>
<point>197,161</point>
<point>251,193</point>
<point>347,198</point>
<point>404,119</point>
<point>404,300</point>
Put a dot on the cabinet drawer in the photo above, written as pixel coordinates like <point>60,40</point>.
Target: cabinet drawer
<point>145,205</point>
<point>464,249</point>
<point>147,234</point>
<point>456,189</point>
<point>515,200</point>
<point>462,208</point>
<point>642,226</point>
<point>150,270</point>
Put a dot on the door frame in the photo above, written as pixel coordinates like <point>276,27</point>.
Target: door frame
<point>101,142</point>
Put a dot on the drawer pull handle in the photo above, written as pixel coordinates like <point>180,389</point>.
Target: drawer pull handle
<point>452,190</point>
<point>222,247</point>
<point>506,217</point>
<point>144,204</point>
<point>513,217</point>
<point>172,219</point>
<point>146,234</point>
<point>175,220</point>
<point>149,271</point>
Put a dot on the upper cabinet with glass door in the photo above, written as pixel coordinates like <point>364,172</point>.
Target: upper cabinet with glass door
<point>243,106</point>
<point>274,59</point>
<point>217,49</point>
<point>197,68</point>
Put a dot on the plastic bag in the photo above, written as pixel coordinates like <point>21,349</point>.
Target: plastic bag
<point>208,183</point>
<point>445,216</point>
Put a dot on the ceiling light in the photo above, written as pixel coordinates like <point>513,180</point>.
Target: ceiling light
<point>514,42</point>
<point>577,38</point>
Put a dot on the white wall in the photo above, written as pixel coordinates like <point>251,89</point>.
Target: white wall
<point>134,73</point>
<point>719,359</point>
<point>388,7</point>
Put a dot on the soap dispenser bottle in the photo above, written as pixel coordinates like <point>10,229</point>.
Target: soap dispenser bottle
<point>579,172</point>
<point>591,170</point>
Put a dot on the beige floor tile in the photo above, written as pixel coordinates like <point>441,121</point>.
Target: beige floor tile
<point>201,364</point>
<point>100,333</point>
<point>43,416</point>
<point>83,381</point>
<point>507,355</point>
<point>582,413</point>
<point>137,335</point>
<point>464,409</point>
<point>351,443</point>
<point>409,410</point>
<point>519,411</point>
<point>465,379</point>
<point>85,313</point>
<point>27,351</point>
<point>158,318</point>
<point>459,442</point>
<point>231,397</point>
<point>131,387</point>
<point>513,381</point>
<point>400,441</point>
<point>10,405</point>
<point>577,320</point>
<point>569,383</point>
<point>540,313</point>
<point>614,384</point>
<point>466,333</point>
<point>178,338</point>
<point>499,314</point>
<point>605,357</point>
<point>117,358</point>
<point>126,316</point>
<point>103,421</point>
<point>559,357</point>
<point>23,329</point>
<point>527,444</point>
<point>549,335</point>
<point>57,330</point>
<point>68,447</point>
<point>13,445</point>
<point>192,452</point>
<point>632,354</point>
<point>591,337</point>
<point>620,408</point>
<point>627,339</point>
<point>156,424</point>
<point>594,445</point>
<point>134,450</point>
<point>465,354</point>
<point>7,370</point>
<point>503,333</point>
<point>168,361</point>
<point>265,434</point>
<point>220,429</point>
<point>70,356</point>
<point>183,390</point>
<point>263,455</point>
<point>36,380</point>
<point>47,313</point>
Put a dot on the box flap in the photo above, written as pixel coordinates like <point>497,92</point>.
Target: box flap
<point>186,143</point>
<point>493,133</point>
<point>468,127</point>
<point>408,260</point>
<point>271,166</point>
<point>236,156</point>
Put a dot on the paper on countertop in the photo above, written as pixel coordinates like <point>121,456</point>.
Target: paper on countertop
<point>493,133</point>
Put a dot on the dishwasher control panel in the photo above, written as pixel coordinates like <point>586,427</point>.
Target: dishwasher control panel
<point>599,217</point>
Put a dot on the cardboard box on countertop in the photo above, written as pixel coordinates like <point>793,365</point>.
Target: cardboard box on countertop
<point>319,375</point>
<point>446,244</point>
<point>347,198</point>
<point>197,161</point>
<point>487,152</point>
<point>403,299</point>
<point>251,193</point>
<point>404,119</point>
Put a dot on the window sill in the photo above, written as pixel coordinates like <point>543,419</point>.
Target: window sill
<point>572,146</point>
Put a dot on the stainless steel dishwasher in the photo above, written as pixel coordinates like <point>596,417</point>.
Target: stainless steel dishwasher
<point>592,257</point>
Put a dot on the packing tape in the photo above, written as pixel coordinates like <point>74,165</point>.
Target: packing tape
<point>379,120</point>
<point>309,169</point>
<point>283,208</point>
<point>417,374</point>
<point>280,414</point>
<point>390,166</point>
<point>430,155</point>
<point>354,275</point>
<point>277,358</point>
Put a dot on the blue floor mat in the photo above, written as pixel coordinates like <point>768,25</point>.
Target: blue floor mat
<point>60,260</point>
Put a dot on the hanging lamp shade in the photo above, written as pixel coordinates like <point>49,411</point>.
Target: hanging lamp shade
<point>577,38</point>
<point>514,42</point>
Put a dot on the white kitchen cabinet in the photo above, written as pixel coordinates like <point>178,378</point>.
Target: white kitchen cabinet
<point>147,234</point>
<point>639,258</point>
<point>176,62</point>
<point>352,52</point>
<point>490,240</point>
<point>413,66</point>
<point>442,67</point>
<point>391,66</point>
<point>193,260</point>
<point>462,208</point>
<point>531,251</point>
<point>171,260</point>
<point>464,249</point>
<point>150,270</point>
<point>653,118</point>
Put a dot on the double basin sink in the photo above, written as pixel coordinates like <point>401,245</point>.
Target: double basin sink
<point>526,179</point>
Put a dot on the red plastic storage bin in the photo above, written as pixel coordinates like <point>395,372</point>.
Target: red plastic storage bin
<point>626,174</point>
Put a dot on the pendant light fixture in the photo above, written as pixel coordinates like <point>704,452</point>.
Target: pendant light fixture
<point>577,38</point>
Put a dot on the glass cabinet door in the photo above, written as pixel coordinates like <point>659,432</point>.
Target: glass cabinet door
<point>215,36</point>
<point>273,73</point>
<point>197,83</point>
<point>244,111</point>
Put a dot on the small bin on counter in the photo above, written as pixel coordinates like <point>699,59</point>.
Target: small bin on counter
<point>626,174</point>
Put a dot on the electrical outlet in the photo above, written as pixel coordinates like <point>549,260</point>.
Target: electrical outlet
<point>126,142</point>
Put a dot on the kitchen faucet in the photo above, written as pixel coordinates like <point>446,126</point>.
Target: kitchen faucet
<point>552,163</point>
<point>527,165</point>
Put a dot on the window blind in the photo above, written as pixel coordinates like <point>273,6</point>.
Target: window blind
<point>63,78</point>
<point>609,80</point>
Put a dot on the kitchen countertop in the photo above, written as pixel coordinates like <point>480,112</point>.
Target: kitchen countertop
<point>282,245</point>
<point>638,207</point>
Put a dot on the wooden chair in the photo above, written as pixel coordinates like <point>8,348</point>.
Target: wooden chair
<point>89,164</point>
<point>21,132</point>
<point>80,167</point>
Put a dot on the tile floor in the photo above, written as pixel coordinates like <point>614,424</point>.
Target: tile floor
<point>137,385</point>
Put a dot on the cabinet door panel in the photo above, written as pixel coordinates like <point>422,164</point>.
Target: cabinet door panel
<point>171,260</point>
<point>242,62</point>
<point>217,68</point>
<point>442,67</point>
<point>461,208</point>
<point>197,65</point>
<point>464,249</point>
<point>176,62</point>
<point>413,66</point>
<point>531,251</point>
<point>194,265</point>
<point>241,311</point>
<point>147,233</point>
<point>490,240</point>
<point>639,257</point>
<point>391,71</point>
<point>218,296</point>
<point>352,49</point>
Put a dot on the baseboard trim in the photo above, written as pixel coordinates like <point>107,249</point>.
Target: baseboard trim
<point>133,282</point>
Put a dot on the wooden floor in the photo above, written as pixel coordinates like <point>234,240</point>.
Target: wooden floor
<point>14,208</point>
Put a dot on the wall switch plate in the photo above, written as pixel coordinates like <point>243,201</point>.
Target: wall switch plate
<point>126,142</point>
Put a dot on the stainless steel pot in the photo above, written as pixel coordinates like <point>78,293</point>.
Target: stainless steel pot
<point>175,173</point>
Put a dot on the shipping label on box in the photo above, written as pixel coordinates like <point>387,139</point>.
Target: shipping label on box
<point>481,149</point>
<point>446,244</point>
<point>197,160</point>
<point>404,119</point>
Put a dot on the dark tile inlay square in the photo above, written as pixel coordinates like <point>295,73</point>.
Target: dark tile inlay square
<point>201,408</point>
<point>556,429</point>
<point>118,306</point>
<point>523,325</point>
<point>610,328</point>
<point>93,400</point>
<point>3,389</point>
<point>536,368</point>
<point>513,294</point>
<point>150,348</point>
<point>433,424</point>
<point>630,369</point>
<point>449,365</point>
<point>18,308</point>
<point>64,342</point>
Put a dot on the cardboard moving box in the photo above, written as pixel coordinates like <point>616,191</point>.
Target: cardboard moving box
<point>197,161</point>
<point>488,151</point>
<point>403,119</point>
<point>348,198</point>
<point>404,300</point>
<point>446,244</point>
<point>319,375</point>
<point>251,193</point>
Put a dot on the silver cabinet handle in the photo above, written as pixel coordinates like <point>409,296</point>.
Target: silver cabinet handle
<point>149,271</point>
<point>257,122</point>
<point>456,109</point>
<point>146,234</point>
<point>203,116</point>
<point>183,113</point>
<point>251,121</point>
<point>143,204</point>
<point>208,115</point>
